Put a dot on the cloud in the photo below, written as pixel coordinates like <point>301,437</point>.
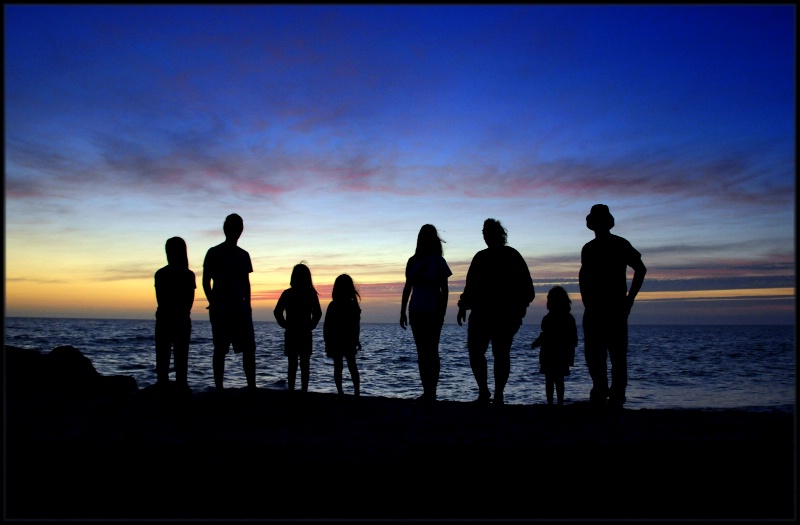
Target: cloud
<point>37,280</point>
<point>341,99</point>
<point>197,161</point>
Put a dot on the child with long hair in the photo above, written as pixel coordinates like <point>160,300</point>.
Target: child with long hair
<point>298,312</point>
<point>558,339</point>
<point>342,330</point>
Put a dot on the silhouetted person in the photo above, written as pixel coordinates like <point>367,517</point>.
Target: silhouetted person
<point>228,267</point>
<point>342,331</point>
<point>298,312</point>
<point>426,285</point>
<point>607,302</point>
<point>498,290</point>
<point>175,285</point>
<point>558,339</point>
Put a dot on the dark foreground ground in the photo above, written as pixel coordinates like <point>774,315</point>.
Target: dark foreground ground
<point>265,455</point>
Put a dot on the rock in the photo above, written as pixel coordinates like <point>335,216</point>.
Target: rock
<point>68,370</point>
<point>63,371</point>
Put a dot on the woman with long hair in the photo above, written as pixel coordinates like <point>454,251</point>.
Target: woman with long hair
<point>425,295</point>
<point>175,287</point>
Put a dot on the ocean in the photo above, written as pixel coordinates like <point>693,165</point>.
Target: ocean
<point>669,367</point>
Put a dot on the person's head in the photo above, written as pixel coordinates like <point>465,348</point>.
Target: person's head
<point>494,233</point>
<point>233,227</point>
<point>558,300</point>
<point>600,218</point>
<point>428,241</point>
<point>344,289</point>
<point>301,277</point>
<point>177,254</point>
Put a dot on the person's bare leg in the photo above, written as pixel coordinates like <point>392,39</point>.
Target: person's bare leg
<point>292,371</point>
<point>305,371</point>
<point>477,344</point>
<point>219,368</point>
<point>548,381</point>
<point>338,366</point>
<point>249,365</point>
<point>354,375</point>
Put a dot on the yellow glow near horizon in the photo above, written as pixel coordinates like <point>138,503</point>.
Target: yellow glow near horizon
<point>136,297</point>
<point>715,294</point>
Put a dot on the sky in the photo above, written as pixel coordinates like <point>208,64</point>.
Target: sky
<point>337,131</point>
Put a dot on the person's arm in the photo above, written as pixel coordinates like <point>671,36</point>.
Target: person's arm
<point>326,327</point>
<point>584,285</point>
<point>464,300</point>
<point>444,293</point>
<point>278,312</point>
<point>207,286</point>
<point>316,312</point>
<point>357,330</point>
<point>404,305</point>
<point>159,294</point>
<point>639,271</point>
<point>461,316</point>
<point>189,295</point>
<point>404,300</point>
<point>247,292</point>
<point>526,285</point>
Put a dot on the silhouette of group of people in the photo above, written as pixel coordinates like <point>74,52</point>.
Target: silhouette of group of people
<point>497,293</point>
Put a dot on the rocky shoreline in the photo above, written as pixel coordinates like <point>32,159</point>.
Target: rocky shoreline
<point>112,451</point>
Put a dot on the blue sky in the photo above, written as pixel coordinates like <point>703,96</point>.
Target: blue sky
<point>337,131</point>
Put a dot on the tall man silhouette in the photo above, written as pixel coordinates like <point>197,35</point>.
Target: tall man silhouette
<point>498,290</point>
<point>228,266</point>
<point>607,302</point>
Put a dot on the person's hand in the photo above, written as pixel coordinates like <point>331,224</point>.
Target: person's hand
<point>403,320</point>
<point>534,345</point>
<point>358,346</point>
<point>461,316</point>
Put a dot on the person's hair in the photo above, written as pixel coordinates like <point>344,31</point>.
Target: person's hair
<point>301,278</point>
<point>494,233</point>
<point>233,225</point>
<point>428,241</point>
<point>177,253</point>
<point>558,299</point>
<point>344,289</point>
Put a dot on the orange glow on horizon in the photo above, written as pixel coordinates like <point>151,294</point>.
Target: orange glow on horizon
<point>135,298</point>
<point>746,293</point>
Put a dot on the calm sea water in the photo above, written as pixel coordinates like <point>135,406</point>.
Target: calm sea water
<point>708,367</point>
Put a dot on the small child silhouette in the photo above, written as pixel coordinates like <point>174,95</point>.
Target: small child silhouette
<point>342,330</point>
<point>298,312</point>
<point>558,339</point>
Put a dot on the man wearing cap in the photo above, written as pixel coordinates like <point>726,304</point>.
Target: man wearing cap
<point>607,302</point>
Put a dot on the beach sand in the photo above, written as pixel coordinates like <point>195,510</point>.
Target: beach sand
<point>276,455</point>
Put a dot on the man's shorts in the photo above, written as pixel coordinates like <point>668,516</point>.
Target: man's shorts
<point>231,327</point>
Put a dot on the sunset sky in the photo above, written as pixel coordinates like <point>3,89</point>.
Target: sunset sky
<point>337,131</point>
